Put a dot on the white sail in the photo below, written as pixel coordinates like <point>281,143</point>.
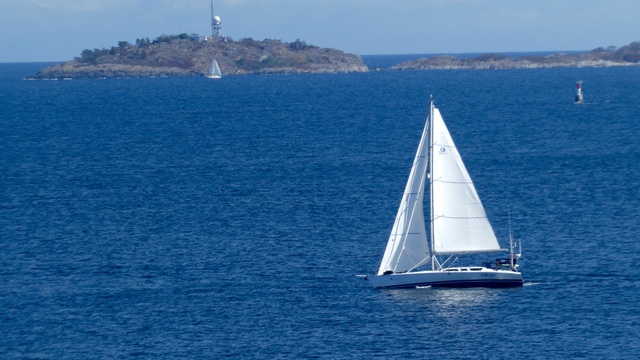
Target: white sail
<point>460,224</point>
<point>407,247</point>
<point>214,70</point>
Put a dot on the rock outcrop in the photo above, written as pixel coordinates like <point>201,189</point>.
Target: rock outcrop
<point>628,55</point>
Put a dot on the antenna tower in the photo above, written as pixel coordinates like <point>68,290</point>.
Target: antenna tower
<point>216,24</point>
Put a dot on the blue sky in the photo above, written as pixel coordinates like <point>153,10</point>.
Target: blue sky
<point>55,30</point>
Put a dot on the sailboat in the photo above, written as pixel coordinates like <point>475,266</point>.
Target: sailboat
<point>214,71</point>
<point>458,224</point>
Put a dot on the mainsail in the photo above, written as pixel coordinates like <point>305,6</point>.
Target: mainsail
<point>460,224</point>
<point>407,247</point>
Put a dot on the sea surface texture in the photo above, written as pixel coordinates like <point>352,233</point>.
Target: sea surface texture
<point>189,218</point>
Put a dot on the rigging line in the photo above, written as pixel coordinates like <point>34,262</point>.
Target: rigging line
<point>461,182</point>
<point>421,262</point>
<point>460,217</point>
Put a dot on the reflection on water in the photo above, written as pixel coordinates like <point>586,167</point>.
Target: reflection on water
<point>450,302</point>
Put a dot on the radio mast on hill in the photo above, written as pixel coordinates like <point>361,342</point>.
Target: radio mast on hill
<point>216,24</point>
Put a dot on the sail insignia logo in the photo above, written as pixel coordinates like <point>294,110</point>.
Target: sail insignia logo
<point>443,150</point>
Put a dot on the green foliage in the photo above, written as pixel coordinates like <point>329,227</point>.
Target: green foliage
<point>167,39</point>
<point>300,45</point>
<point>629,53</point>
<point>635,46</point>
<point>86,56</point>
<point>123,51</point>
<point>143,43</point>
<point>631,57</point>
<point>248,42</point>
<point>602,50</point>
<point>91,56</point>
<point>164,39</point>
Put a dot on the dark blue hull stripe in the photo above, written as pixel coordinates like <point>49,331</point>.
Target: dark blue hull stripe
<point>464,284</point>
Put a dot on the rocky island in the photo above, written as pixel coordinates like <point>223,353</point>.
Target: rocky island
<point>600,57</point>
<point>181,55</point>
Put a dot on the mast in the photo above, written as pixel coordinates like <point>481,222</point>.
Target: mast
<point>213,23</point>
<point>430,124</point>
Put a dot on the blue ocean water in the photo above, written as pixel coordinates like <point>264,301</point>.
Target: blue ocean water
<point>191,218</point>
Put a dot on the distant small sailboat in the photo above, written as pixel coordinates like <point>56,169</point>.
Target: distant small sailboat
<point>459,224</point>
<point>214,71</point>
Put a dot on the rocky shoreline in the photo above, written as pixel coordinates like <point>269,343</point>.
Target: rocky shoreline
<point>453,63</point>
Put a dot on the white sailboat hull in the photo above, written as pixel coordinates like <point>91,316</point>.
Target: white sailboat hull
<point>451,277</point>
